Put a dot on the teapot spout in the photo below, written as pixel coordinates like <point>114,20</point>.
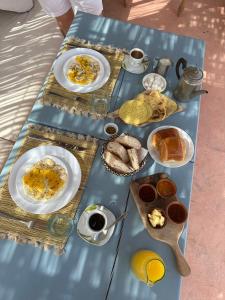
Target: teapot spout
<point>198,93</point>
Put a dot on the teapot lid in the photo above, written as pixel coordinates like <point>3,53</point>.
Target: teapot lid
<point>193,75</point>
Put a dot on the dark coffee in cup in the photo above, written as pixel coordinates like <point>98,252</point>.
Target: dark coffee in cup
<point>136,54</point>
<point>97,222</point>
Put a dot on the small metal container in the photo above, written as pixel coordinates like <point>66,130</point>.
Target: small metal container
<point>162,65</point>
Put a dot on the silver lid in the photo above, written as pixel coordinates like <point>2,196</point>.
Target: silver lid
<point>193,75</point>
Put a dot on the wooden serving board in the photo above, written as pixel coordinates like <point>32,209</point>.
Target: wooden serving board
<point>171,232</point>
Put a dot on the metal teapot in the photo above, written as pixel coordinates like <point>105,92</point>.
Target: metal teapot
<point>189,83</point>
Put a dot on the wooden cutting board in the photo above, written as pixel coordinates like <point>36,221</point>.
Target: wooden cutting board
<point>168,234</point>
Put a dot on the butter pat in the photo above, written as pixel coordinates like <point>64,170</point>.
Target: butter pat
<point>156,218</point>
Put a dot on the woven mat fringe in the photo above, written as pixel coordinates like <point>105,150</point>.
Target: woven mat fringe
<point>97,47</point>
<point>23,240</point>
<point>50,130</point>
<point>79,107</point>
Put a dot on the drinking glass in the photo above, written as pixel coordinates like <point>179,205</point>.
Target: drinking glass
<point>101,104</point>
<point>60,225</point>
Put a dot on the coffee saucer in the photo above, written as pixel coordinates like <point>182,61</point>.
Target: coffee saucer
<point>135,69</point>
<point>84,230</point>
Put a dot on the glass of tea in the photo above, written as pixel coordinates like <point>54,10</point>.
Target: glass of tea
<point>101,104</point>
<point>60,225</point>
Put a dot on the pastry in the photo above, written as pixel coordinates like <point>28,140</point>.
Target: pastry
<point>162,134</point>
<point>135,112</point>
<point>133,156</point>
<point>147,107</point>
<point>118,150</point>
<point>115,163</point>
<point>129,141</point>
<point>172,149</point>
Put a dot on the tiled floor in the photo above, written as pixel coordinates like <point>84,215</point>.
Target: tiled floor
<point>36,35</point>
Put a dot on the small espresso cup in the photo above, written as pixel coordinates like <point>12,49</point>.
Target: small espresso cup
<point>97,221</point>
<point>136,56</point>
<point>177,212</point>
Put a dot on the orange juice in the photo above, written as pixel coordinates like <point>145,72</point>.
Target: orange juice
<point>148,266</point>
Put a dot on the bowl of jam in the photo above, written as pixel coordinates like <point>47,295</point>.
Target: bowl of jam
<point>111,129</point>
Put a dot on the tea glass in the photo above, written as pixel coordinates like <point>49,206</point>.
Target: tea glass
<point>60,225</point>
<point>100,104</point>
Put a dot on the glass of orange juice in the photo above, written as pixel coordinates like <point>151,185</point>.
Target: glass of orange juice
<point>148,266</point>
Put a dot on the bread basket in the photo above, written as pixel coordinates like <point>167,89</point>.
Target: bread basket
<point>104,146</point>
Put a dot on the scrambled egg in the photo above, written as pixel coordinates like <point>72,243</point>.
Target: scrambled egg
<point>84,70</point>
<point>44,180</point>
<point>156,218</point>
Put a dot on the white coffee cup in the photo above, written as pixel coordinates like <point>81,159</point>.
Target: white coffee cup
<point>136,56</point>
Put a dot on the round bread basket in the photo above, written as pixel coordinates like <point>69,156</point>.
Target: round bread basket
<point>104,146</point>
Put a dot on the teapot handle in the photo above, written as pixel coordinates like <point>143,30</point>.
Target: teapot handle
<point>183,62</point>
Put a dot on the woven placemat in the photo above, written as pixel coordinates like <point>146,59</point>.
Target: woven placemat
<point>39,235</point>
<point>81,103</point>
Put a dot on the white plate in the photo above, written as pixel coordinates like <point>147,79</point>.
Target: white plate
<point>172,164</point>
<point>63,61</point>
<point>83,228</point>
<point>62,157</point>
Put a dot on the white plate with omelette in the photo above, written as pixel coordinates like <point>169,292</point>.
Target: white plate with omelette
<point>82,70</point>
<point>44,179</point>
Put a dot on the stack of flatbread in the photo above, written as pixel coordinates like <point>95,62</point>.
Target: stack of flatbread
<point>147,107</point>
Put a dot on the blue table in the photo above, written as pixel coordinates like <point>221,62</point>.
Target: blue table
<point>86,271</point>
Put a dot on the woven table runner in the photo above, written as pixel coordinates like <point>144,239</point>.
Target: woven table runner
<point>81,103</point>
<point>39,235</point>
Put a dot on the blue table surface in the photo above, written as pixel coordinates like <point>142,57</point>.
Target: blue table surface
<point>86,271</point>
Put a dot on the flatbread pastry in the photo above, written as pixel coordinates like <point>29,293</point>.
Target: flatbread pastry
<point>135,112</point>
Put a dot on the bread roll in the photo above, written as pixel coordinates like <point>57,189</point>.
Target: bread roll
<point>115,163</point>
<point>172,149</point>
<point>162,134</point>
<point>129,141</point>
<point>133,156</point>
<point>118,150</point>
